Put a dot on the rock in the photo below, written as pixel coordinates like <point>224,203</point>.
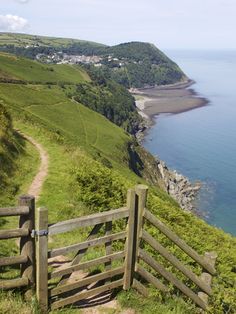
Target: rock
<point>178,186</point>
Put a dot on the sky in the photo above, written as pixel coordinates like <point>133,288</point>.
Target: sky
<point>169,24</point>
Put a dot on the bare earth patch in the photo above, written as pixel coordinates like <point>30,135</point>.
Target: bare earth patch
<point>36,185</point>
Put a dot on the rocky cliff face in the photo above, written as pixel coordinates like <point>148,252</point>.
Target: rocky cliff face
<point>156,172</point>
<point>178,186</point>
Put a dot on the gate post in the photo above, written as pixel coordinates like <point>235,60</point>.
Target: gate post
<point>41,235</point>
<point>136,202</point>
<point>130,245</point>
<point>27,244</point>
<point>141,191</point>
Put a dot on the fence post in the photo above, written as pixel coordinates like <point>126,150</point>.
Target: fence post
<point>141,191</point>
<point>27,244</point>
<point>130,245</point>
<point>42,259</point>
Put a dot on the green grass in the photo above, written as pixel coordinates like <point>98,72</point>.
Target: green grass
<point>22,40</point>
<point>28,70</point>
<point>74,123</point>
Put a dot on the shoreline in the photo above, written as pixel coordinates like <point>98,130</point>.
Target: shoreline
<point>172,99</point>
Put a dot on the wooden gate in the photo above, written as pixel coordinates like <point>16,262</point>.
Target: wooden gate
<point>120,249</point>
<point>80,279</point>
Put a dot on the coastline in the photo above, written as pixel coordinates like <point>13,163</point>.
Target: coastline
<point>173,99</point>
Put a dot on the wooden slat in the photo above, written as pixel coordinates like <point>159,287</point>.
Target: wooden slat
<point>86,294</point>
<point>13,260</point>
<point>171,278</point>
<point>79,255</point>
<point>27,244</point>
<point>140,288</point>
<point>180,243</point>
<point>13,233</point>
<point>90,220</point>
<point>13,283</point>
<point>42,261</point>
<point>175,262</point>
<point>130,245</point>
<point>150,278</point>
<point>86,281</point>
<point>108,244</point>
<point>205,277</point>
<point>141,191</point>
<point>87,244</point>
<point>87,265</point>
<point>14,211</point>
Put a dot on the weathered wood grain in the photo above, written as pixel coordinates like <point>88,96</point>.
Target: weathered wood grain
<point>171,278</point>
<point>87,244</point>
<point>86,281</point>
<point>42,261</point>
<point>83,295</point>
<point>86,265</point>
<point>179,242</point>
<point>175,262</point>
<point>90,220</point>
<point>14,211</point>
<point>13,260</point>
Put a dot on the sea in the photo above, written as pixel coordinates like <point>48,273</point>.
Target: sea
<point>201,143</point>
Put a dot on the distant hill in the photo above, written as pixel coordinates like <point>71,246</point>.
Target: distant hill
<point>134,64</point>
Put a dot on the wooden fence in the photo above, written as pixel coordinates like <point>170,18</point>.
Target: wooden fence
<point>123,260</point>
<point>26,258</point>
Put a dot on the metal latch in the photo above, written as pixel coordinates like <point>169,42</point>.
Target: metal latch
<point>39,233</point>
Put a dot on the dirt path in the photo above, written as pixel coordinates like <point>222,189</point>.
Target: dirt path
<point>35,189</point>
<point>36,185</point>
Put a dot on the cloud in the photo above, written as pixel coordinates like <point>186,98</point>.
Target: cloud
<point>12,23</point>
<point>22,1</point>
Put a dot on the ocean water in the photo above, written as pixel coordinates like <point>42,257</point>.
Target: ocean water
<point>201,143</point>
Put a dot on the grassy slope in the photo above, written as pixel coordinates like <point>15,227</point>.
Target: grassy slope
<point>24,39</point>
<point>61,126</point>
<point>28,70</point>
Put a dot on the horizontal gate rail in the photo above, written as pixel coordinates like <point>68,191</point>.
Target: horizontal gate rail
<point>87,244</point>
<point>83,295</point>
<point>14,211</point>
<point>13,260</point>
<point>90,220</point>
<point>180,243</point>
<point>13,283</point>
<point>13,233</point>
<point>26,258</point>
<point>175,262</point>
<point>86,281</point>
<point>150,278</point>
<point>86,265</point>
<point>171,278</point>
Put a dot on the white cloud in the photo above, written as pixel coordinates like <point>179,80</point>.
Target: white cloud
<point>22,1</point>
<point>12,23</point>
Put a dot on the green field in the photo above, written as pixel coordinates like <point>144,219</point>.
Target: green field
<point>34,40</point>
<point>31,71</point>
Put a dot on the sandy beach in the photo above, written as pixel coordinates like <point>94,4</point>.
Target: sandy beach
<point>174,98</point>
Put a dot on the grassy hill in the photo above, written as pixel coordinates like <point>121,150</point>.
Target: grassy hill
<point>22,40</point>
<point>90,171</point>
<point>134,64</point>
<point>18,68</point>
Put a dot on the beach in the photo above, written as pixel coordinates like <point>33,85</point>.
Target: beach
<point>173,98</point>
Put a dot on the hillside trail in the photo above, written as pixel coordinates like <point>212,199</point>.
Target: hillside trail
<point>35,189</point>
<point>37,183</point>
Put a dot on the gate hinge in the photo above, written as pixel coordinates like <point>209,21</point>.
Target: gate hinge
<point>39,233</point>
